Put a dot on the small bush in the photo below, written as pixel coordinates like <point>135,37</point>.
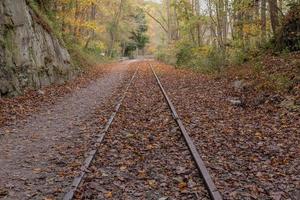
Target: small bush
<point>237,56</point>
<point>280,82</point>
<point>167,54</point>
<point>205,58</point>
<point>185,55</point>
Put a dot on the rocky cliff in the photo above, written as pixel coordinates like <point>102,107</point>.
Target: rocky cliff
<point>30,56</point>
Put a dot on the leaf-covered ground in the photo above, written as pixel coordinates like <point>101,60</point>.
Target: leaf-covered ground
<point>31,102</point>
<point>41,154</point>
<point>252,152</point>
<point>143,155</point>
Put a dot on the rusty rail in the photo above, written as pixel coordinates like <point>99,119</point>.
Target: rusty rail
<point>91,155</point>
<point>211,187</point>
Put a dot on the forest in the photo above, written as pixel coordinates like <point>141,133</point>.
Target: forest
<point>208,34</point>
<point>150,99</point>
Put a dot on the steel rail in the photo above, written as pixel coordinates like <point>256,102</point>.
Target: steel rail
<point>91,155</point>
<point>211,187</point>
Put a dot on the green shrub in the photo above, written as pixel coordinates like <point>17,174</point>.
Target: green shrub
<point>205,58</point>
<point>237,56</point>
<point>185,55</point>
<point>167,54</point>
<point>280,82</point>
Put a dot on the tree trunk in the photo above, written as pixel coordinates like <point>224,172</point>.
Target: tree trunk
<point>92,18</point>
<point>168,4</point>
<point>274,15</point>
<point>213,24</point>
<point>220,22</point>
<point>256,10</point>
<point>198,28</point>
<point>225,22</point>
<point>280,5</point>
<point>177,34</point>
<point>114,28</point>
<point>76,17</point>
<point>263,20</point>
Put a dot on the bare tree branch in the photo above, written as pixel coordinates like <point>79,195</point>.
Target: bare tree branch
<point>155,19</point>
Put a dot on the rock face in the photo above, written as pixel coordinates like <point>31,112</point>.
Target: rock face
<point>30,56</point>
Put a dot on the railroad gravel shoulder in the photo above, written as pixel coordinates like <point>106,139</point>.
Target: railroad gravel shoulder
<point>143,155</point>
<point>251,153</point>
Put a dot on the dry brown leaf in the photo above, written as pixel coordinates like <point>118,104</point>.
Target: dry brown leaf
<point>108,195</point>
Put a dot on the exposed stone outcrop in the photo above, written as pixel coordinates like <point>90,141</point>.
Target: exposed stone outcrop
<point>30,56</point>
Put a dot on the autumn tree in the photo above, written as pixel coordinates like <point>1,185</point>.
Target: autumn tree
<point>217,32</point>
<point>138,37</point>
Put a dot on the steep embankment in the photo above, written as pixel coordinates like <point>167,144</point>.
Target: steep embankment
<point>30,56</point>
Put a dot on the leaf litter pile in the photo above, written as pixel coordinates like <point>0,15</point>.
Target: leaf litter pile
<point>251,152</point>
<point>143,156</point>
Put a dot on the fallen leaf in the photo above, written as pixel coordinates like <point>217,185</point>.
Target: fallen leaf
<point>182,185</point>
<point>37,170</point>
<point>108,195</point>
<point>152,183</point>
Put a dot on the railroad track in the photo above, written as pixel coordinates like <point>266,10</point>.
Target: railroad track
<point>210,187</point>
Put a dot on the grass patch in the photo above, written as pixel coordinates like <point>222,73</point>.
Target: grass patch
<point>279,82</point>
